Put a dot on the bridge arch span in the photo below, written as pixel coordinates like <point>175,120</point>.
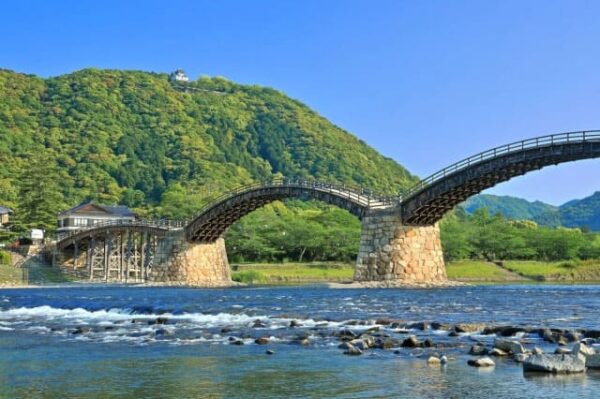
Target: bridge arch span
<point>427,202</point>
<point>214,220</point>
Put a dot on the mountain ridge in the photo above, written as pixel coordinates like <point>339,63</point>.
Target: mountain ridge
<point>580,213</point>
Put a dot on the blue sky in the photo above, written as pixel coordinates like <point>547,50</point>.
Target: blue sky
<point>424,82</point>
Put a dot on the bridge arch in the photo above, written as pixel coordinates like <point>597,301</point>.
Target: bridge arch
<point>428,201</point>
<point>214,219</point>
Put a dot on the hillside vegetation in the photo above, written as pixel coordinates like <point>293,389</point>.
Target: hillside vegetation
<point>584,213</point>
<point>134,138</point>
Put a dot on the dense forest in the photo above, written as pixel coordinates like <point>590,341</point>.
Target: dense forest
<point>164,150</point>
<point>134,138</point>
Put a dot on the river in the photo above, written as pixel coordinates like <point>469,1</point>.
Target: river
<point>143,342</point>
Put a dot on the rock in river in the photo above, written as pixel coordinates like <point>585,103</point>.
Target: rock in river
<point>262,340</point>
<point>582,349</point>
<point>593,361</point>
<point>481,362</point>
<point>508,345</point>
<point>478,350</point>
<point>554,364</point>
<point>433,360</point>
<point>411,342</point>
<point>352,351</point>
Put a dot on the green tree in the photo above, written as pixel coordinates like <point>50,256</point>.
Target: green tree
<point>40,197</point>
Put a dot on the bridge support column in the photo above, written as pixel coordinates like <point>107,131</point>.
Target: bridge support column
<point>193,264</point>
<point>390,250</point>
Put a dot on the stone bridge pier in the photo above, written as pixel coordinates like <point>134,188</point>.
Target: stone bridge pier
<point>193,264</point>
<point>390,250</point>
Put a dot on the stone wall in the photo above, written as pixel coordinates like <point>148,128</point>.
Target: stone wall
<point>390,250</point>
<point>191,264</point>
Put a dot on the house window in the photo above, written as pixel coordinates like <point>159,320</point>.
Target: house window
<point>80,222</point>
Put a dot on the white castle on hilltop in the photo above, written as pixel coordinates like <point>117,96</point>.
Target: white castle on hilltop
<point>178,76</point>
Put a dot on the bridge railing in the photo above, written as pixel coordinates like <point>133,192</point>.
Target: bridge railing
<point>160,223</point>
<point>536,142</point>
<point>351,192</point>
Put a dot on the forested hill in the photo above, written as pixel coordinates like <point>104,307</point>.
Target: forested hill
<point>576,213</point>
<point>135,138</point>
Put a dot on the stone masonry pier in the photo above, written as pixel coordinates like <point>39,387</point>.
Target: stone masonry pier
<point>390,250</point>
<point>192,264</point>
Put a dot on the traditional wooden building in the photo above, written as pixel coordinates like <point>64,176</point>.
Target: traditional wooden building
<point>90,214</point>
<point>5,216</point>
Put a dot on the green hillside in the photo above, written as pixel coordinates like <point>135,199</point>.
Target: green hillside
<point>134,138</point>
<point>583,212</point>
<point>515,208</point>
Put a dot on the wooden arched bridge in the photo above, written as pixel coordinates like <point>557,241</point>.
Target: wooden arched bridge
<point>399,240</point>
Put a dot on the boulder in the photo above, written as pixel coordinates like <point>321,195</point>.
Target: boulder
<point>508,345</point>
<point>582,349</point>
<point>419,326</point>
<point>520,357</point>
<point>433,360</point>
<point>411,342</point>
<point>572,336</point>
<point>498,352</point>
<point>478,350</point>
<point>592,334</point>
<point>468,327</point>
<point>360,344</point>
<point>352,351</point>
<point>439,326</point>
<point>554,364</point>
<point>481,362</point>
<point>346,334</point>
<point>562,351</point>
<point>345,345</point>
<point>258,324</point>
<point>237,342</point>
<point>537,351</point>
<point>593,361</point>
<point>262,340</point>
<point>270,352</point>
<point>295,323</point>
<point>386,343</point>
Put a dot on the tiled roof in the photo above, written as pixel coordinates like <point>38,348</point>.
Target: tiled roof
<point>4,210</point>
<point>116,210</point>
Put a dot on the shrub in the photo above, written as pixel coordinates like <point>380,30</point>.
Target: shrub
<point>5,258</point>
<point>248,277</point>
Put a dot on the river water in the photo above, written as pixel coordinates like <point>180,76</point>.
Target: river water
<point>133,342</point>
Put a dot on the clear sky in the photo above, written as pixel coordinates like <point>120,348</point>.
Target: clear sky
<point>424,82</point>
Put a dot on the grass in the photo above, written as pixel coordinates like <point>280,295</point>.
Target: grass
<point>474,270</point>
<point>567,270</point>
<point>271,273</point>
<point>34,275</point>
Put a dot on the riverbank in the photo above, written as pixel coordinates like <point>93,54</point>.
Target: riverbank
<point>524,271</point>
<point>466,271</point>
<point>339,275</point>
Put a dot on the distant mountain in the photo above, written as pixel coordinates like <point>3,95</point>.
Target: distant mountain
<point>515,208</point>
<point>576,213</point>
<point>583,212</point>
